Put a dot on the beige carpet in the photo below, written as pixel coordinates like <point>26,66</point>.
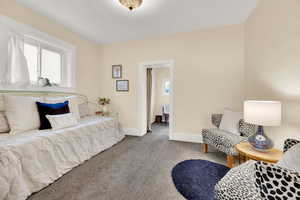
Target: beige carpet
<point>138,168</point>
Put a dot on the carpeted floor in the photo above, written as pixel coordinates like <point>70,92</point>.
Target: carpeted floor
<point>138,168</point>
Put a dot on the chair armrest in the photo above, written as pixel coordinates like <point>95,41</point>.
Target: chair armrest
<point>289,143</point>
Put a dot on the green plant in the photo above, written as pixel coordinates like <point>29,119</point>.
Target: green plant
<point>104,101</point>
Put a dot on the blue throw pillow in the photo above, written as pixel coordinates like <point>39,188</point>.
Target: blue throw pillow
<point>51,109</point>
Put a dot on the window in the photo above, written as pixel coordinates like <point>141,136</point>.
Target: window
<point>167,87</point>
<point>43,61</point>
<point>47,57</point>
<point>51,65</point>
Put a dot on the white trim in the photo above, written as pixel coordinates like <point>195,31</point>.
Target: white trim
<point>36,88</point>
<point>36,35</point>
<point>186,137</point>
<point>132,131</point>
<point>142,92</point>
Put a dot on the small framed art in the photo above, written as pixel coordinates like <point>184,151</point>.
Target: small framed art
<point>117,71</point>
<point>122,85</point>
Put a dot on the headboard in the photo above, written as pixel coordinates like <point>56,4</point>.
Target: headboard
<point>81,98</point>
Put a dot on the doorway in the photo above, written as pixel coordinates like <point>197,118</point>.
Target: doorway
<point>155,95</point>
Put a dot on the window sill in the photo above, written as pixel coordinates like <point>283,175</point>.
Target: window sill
<point>37,89</point>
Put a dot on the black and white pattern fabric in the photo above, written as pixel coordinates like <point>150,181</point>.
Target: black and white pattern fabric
<point>222,140</point>
<point>290,159</point>
<point>246,129</point>
<point>238,184</point>
<point>289,143</point>
<point>274,182</point>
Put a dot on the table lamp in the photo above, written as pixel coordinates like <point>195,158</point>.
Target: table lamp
<point>262,113</point>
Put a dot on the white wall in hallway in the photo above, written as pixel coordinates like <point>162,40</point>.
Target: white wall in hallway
<point>160,98</point>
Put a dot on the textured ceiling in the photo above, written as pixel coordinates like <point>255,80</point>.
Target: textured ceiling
<point>106,21</point>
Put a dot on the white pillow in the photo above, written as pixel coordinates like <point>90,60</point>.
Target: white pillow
<point>73,103</point>
<point>4,127</point>
<point>22,113</point>
<point>62,121</point>
<point>230,122</point>
<point>290,159</point>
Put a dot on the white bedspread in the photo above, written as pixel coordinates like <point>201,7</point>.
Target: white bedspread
<point>32,160</point>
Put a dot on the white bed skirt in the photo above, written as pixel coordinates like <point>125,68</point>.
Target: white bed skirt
<point>33,160</point>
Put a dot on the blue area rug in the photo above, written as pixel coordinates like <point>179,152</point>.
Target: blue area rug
<point>196,179</point>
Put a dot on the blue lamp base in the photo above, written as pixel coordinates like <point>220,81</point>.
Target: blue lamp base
<point>260,141</point>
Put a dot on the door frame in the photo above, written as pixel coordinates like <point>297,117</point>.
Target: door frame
<point>142,93</point>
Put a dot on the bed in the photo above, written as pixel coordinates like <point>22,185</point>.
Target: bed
<point>34,159</point>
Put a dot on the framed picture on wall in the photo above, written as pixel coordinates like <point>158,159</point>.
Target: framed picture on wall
<point>122,85</point>
<point>117,71</point>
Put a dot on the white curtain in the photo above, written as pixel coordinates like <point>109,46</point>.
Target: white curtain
<point>149,99</point>
<point>153,94</point>
<point>17,73</point>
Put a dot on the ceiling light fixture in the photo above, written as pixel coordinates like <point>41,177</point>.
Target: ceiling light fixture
<point>131,4</point>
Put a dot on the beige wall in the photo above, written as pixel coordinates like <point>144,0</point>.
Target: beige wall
<point>210,73</point>
<point>88,69</point>
<point>161,75</point>
<point>208,76</point>
<point>272,57</point>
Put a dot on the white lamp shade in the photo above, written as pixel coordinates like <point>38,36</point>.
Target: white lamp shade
<point>264,113</point>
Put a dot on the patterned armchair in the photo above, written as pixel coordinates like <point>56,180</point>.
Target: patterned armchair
<point>241,182</point>
<point>225,141</point>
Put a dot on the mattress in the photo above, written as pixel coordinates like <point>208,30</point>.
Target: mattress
<point>32,160</point>
<point>4,136</point>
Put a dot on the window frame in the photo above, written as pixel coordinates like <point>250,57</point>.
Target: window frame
<point>164,87</point>
<point>43,46</point>
<point>36,37</point>
<point>62,63</point>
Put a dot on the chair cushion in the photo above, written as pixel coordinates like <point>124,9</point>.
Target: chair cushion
<point>230,122</point>
<point>222,140</point>
<point>275,182</point>
<point>239,183</point>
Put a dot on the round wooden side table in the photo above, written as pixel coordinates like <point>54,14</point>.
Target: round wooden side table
<point>245,149</point>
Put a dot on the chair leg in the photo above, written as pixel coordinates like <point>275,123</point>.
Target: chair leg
<point>205,148</point>
<point>230,161</point>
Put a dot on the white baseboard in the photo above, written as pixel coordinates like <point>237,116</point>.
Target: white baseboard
<point>186,137</point>
<point>132,132</point>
